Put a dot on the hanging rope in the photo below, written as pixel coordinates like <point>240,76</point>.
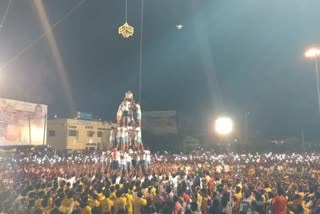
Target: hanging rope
<point>126,10</point>
<point>140,57</point>
<point>4,17</point>
<point>33,42</point>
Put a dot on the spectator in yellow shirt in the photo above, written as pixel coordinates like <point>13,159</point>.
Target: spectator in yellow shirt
<point>120,202</point>
<point>94,203</point>
<point>113,193</point>
<point>129,201</point>
<point>69,203</point>
<point>138,203</point>
<point>45,206</point>
<point>57,206</point>
<point>84,207</point>
<point>100,194</point>
<point>237,199</point>
<point>106,203</point>
<point>204,206</point>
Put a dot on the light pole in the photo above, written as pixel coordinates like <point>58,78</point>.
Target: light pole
<point>224,127</point>
<point>246,127</point>
<point>314,53</point>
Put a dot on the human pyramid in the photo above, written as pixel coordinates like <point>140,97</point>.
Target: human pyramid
<point>126,148</point>
<point>127,135</point>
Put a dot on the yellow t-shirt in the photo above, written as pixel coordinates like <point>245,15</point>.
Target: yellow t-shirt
<point>268,189</point>
<point>63,210</point>
<point>129,203</point>
<point>238,197</point>
<point>50,201</point>
<point>239,185</point>
<point>154,191</point>
<point>85,210</point>
<point>204,204</point>
<point>37,204</point>
<point>106,205</point>
<point>46,209</point>
<point>68,202</point>
<point>199,198</point>
<point>113,196</point>
<point>120,203</point>
<point>93,203</point>
<point>137,204</point>
<point>101,197</point>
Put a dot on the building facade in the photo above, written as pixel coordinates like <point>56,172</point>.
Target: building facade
<point>76,134</point>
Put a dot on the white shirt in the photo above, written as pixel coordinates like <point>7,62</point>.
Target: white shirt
<point>175,181</point>
<point>138,109</point>
<point>118,180</point>
<point>111,135</point>
<point>123,160</point>
<point>120,108</point>
<point>119,132</point>
<point>138,132</point>
<point>126,105</point>
<point>108,157</point>
<point>124,131</point>
<point>226,168</point>
<point>144,155</point>
<point>129,129</point>
<point>126,134</point>
<point>128,158</point>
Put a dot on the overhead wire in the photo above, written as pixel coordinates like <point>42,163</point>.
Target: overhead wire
<point>126,10</point>
<point>141,50</point>
<point>34,41</point>
<point>4,17</point>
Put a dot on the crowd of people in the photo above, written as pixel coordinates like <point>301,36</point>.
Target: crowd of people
<point>46,181</point>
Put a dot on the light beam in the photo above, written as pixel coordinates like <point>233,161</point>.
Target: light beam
<point>43,17</point>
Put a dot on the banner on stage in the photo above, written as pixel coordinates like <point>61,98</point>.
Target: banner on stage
<point>160,123</point>
<point>22,123</point>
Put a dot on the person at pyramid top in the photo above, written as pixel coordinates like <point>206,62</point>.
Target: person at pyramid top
<point>124,114</point>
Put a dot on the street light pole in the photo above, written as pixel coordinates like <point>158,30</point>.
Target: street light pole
<point>302,139</point>
<point>317,79</point>
<point>314,53</point>
<point>246,126</point>
<point>224,127</point>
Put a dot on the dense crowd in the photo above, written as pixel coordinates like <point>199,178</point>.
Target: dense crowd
<point>44,181</point>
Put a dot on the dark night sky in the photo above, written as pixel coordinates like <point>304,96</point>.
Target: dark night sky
<point>231,56</point>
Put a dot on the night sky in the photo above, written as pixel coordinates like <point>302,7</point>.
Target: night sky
<point>230,57</point>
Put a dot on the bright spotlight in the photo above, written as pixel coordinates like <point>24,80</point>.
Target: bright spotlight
<point>312,53</point>
<point>224,126</point>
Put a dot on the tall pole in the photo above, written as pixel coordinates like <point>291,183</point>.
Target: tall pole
<point>29,129</point>
<point>302,139</point>
<point>140,50</point>
<point>317,79</point>
<point>246,127</point>
<point>44,129</point>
